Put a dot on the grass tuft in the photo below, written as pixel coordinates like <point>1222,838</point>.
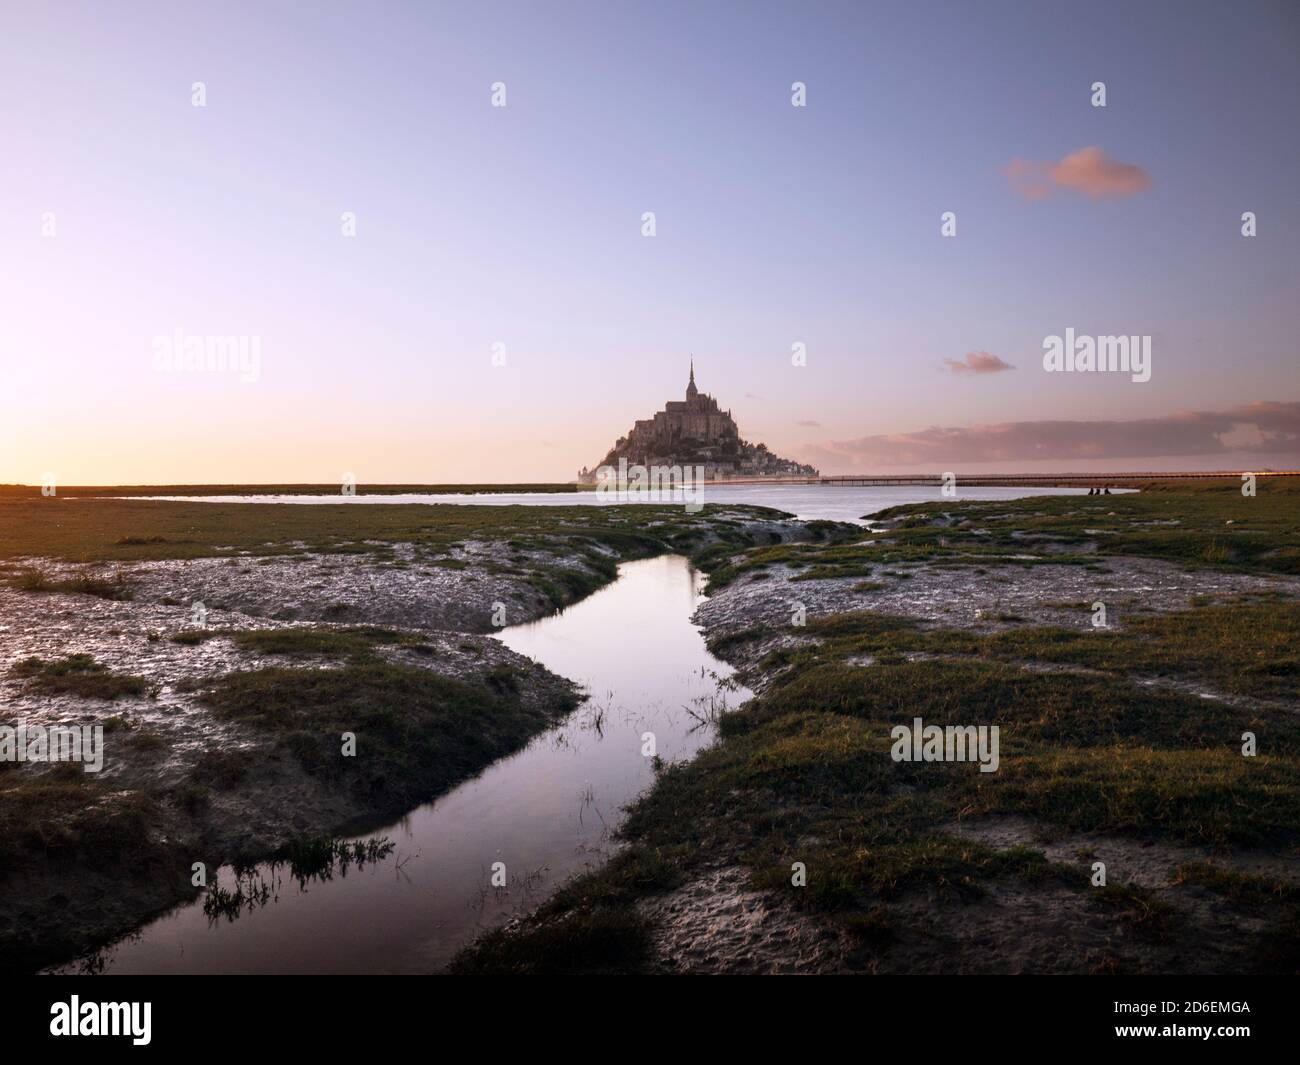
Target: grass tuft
<point>77,674</point>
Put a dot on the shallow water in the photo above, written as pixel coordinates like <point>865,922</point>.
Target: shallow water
<point>546,812</point>
<point>804,501</point>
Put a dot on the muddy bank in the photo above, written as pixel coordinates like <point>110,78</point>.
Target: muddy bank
<point>1128,829</point>
<point>974,598</point>
<point>90,856</point>
<point>720,923</point>
<point>194,771</point>
<point>545,812</point>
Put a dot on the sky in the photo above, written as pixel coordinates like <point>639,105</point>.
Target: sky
<point>500,313</point>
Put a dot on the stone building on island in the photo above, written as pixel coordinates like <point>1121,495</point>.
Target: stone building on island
<point>697,432</point>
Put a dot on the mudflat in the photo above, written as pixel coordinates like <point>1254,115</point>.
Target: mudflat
<point>269,678</point>
<point>1138,654</point>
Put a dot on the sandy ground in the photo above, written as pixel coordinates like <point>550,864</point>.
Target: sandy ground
<point>718,924</point>
<point>965,597</point>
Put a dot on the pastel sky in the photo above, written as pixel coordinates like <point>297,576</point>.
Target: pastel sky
<point>522,226</point>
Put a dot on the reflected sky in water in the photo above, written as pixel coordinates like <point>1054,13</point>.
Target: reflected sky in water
<point>810,501</point>
<point>546,812</point>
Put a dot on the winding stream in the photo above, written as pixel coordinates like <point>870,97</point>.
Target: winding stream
<point>547,812</point>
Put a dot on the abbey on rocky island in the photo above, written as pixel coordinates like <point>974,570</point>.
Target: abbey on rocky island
<point>696,431</point>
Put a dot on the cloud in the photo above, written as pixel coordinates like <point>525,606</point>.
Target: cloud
<point>810,424</point>
<point>1089,172</point>
<point>1266,428</point>
<point>978,362</point>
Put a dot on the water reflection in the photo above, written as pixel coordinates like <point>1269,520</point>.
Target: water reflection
<point>546,813</point>
<point>809,502</point>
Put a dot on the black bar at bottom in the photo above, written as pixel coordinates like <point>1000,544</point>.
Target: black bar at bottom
<point>258,1013</point>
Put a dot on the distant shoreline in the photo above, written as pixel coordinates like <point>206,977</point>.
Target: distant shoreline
<point>1064,480</point>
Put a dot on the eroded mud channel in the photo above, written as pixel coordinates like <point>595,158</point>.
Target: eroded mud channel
<point>1139,659</point>
<point>573,792</point>
<point>224,687</point>
<point>543,814</point>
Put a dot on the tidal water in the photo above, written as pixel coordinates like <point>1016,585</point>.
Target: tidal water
<point>546,812</point>
<point>806,501</point>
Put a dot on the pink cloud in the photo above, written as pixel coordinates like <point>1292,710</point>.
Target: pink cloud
<point>1089,172</point>
<point>1271,428</point>
<point>978,362</point>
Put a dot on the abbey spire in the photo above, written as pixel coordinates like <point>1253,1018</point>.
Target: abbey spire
<point>696,431</point>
